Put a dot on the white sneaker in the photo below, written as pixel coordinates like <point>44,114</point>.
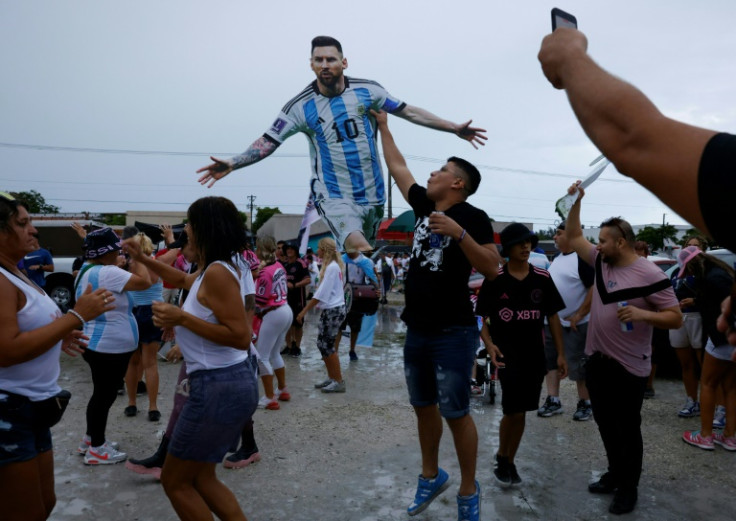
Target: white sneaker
<point>86,442</point>
<point>334,387</point>
<point>266,403</point>
<point>105,454</point>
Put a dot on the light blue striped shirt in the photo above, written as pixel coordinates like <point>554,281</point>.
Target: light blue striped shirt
<point>342,138</point>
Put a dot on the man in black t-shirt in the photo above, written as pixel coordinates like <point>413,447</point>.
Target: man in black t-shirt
<point>515,305</point>
<point>450,238</point>
<point>297,279</point>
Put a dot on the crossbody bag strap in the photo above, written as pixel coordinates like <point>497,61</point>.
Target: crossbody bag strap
<point>79,276</point>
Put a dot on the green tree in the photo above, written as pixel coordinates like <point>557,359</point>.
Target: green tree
<point>114,219</point>
<point>655,237</point>
<point>547,234</point>
<point>263,215</point>
<point>35,202</point>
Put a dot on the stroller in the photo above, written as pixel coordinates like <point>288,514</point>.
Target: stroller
<point>486,376</point>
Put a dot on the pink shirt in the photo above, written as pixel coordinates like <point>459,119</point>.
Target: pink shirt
<point>181,264</point>
<point>632,349</point>
<point>251,259</point>
<point>271,286</point>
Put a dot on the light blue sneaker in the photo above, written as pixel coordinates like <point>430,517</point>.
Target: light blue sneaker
<point>719,418</point>
<point>468,507</point>
<point>427,490</point>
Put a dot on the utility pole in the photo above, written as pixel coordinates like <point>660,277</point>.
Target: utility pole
<point>390,212</point>
<point>664,246</point>
<point>251,199</point>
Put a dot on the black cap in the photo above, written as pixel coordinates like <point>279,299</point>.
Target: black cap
<point>515,233</point>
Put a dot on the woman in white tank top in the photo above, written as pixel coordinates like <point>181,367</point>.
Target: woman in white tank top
<point>213,330</point>
<point>32,334</point>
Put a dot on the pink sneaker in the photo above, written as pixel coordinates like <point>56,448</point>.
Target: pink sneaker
<point>696,439</point>
<point>727,442</point>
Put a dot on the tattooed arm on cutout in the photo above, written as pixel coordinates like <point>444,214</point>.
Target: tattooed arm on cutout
<point>260,149</point>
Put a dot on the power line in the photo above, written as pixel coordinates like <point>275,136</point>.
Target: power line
<point>425,159</point>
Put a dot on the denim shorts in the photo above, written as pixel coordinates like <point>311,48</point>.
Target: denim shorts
<point>438,366</point>
<point>20,438</point>
<point>221,402</point>
<point>147,331</point>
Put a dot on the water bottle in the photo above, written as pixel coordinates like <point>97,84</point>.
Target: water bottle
<point>435,239</point>
<point>626,327</point>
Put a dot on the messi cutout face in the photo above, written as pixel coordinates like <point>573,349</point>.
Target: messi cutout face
<point>328,64</point>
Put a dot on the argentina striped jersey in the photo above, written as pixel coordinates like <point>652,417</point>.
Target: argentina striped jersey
<point>342,138</point>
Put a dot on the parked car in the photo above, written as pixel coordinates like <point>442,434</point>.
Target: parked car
<point>725,255</point>
<point>60,283</point>
<point>663,262</point>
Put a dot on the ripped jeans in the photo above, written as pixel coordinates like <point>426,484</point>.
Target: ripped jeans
<point>438,366</point>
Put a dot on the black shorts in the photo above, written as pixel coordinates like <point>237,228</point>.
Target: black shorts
<point>354,320</point>
<point>716,186</point>
<point>521,387</point>
<point>296,307</point>
<point>147,330</point>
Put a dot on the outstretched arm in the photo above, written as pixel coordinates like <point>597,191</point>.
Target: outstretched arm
<point>260,149</point>
<point>394,160</point>
<point>474,135</point>
<point>661,154</point>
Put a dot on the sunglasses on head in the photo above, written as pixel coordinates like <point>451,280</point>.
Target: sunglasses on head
<point>7,196</point>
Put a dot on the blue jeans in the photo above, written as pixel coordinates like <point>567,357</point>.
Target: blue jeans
<point>221,402</point>
<point>438,366</point>
<point>21,439</point>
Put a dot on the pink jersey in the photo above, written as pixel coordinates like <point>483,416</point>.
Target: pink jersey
<point>271,286</point>
<point>251,260</point>
<point>181,264</point>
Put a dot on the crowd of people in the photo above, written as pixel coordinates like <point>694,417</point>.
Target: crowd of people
<point>589,314</point>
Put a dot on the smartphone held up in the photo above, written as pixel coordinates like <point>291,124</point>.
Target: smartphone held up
<point>562,19</point>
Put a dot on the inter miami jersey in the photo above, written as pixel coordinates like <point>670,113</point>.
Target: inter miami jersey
<point>516,309</point>
<point>342,138</point>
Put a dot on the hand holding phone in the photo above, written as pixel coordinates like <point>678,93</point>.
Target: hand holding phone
<point>562,19</point>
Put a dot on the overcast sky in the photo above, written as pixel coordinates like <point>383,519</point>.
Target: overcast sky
<point>184,79</point>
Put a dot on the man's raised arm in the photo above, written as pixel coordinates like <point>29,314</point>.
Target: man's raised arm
<point>574,229</point>
<point>661,154</point>
<point>260,149</point>
<point>474,135</point>
<point>394,160</point>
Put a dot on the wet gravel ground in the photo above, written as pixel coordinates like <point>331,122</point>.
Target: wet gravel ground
<point>355,456</point>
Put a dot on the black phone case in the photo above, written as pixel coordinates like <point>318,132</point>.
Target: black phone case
<point>562,14</point>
